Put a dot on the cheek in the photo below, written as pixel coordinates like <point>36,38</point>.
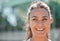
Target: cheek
<point>48,24</point>
<point>47,27</point>
<point>33,25</point>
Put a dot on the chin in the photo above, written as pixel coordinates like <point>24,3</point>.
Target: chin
<point>40,34</point>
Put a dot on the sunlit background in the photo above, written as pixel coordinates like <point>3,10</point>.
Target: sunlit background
<point>13,16</point>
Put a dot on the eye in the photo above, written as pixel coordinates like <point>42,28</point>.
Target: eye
<point>45,19</point>
<point>34,19</point>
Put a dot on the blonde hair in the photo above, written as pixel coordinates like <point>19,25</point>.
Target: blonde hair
<point>36,4</point>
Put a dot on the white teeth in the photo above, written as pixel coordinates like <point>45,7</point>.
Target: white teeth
<point>40,29</point>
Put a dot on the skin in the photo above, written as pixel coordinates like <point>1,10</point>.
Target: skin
<point>39,18</point>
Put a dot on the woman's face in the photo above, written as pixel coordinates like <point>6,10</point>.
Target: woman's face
<point>39,22</point>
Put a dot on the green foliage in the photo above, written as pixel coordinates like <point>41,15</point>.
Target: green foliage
<point>55,9</point>
<point>5,25</point>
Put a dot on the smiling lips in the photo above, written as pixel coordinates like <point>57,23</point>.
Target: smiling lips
<point>40,29</point>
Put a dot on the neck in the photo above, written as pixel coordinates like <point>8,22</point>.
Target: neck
<point>36,38</point>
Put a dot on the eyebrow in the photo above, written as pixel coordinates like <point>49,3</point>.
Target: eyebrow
<point>45,16</point>
<point>37,17</point>
<point>34,17</point>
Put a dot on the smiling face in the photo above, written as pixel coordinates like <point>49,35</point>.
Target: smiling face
<point>39,22</point>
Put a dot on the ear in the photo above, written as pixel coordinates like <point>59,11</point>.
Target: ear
<point>28,21</point>
<point>51,20</point>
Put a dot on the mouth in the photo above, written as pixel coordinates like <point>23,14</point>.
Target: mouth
<point>40,30</point>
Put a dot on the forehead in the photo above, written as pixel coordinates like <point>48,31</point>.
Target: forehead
<point>39,12</point>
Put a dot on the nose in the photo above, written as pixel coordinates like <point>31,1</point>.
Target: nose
<point>40,24</point>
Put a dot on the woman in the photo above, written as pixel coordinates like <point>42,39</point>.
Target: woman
<point>39,22</point>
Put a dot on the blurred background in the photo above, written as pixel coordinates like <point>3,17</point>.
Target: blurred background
<point>13,15</point>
